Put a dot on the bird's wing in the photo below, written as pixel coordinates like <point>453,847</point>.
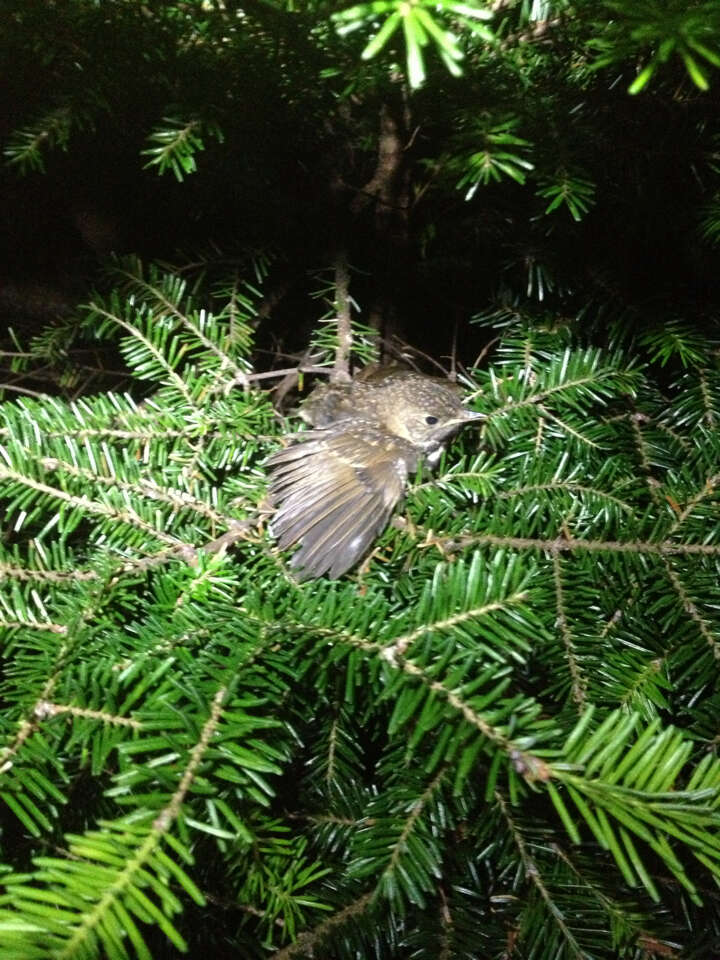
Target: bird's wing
<point>333,491</point>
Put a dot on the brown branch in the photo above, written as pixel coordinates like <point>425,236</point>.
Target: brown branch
<point>45,708</point>
<point>539,30</point>
<point>704,627</point>
<point>189,553</point>
<point>533,875</point>
<point>341,369</point>
<point>287,371</point>
<point>579,682</point>
<point>306,942</point>
<point>483,353</point>
<point>389,160</point>
<point>405,352</point>
<point>566,544</point>
<point>25,391</point>
<point>9,572</point>
<point>170,812</point>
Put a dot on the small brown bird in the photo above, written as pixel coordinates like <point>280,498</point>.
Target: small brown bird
<point>335,487</point>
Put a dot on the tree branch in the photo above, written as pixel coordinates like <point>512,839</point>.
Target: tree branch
<point>341,369</point>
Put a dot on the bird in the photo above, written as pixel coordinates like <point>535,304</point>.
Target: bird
<point>334,487</point>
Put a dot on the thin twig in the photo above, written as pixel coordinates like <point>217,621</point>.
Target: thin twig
<point>341,369</point>
<point>287,371</point>
<point>405,349</point>
<point>483,352</point>
<point>289,381</point>
<point>24,390</point>
<point>307,941</point>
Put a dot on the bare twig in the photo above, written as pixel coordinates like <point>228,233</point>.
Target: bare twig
<point>284,372</point>
<point>341,369</point>
<point>484,352</point>
<point>453,352</point>
<point>291,378</point>
<point>404,350</point>
<point>24,390</point>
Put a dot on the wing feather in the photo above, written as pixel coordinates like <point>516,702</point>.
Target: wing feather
<point>334,491</point>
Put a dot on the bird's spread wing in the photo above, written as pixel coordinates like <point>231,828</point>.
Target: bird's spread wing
<point>333,491</point>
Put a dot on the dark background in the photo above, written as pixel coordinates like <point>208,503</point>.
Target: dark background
<point>296,173</point>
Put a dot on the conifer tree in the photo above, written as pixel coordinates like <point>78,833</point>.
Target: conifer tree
<point>501,726</point>
<point>498,736</point>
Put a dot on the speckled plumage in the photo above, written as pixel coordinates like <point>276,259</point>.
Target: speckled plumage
<point>335,487</point>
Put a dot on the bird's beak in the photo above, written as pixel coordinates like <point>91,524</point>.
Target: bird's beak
<point>450,427</point>
<point>471,415</point>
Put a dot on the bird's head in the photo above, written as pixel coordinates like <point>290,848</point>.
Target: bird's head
<point>425,411</point>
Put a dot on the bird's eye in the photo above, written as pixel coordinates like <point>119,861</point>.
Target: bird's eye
<point>431,420</point>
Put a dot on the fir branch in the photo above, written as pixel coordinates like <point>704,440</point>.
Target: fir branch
<point>579,682</point>
<point>45,708</point>
<point>143,487</point>
<point>614,620</point>
<point>101,433</point>
<point>673,434</point>
<point>309,940</point>
<point>150,845</point>
<point>83,503</point>
<point>29,722</point>
<point>14,573</point>
<point>137,282</point>
<point>332,744</point>
<point>173,377</point>
<point>534,875</point>
<point>529,766</point>
<point>651,670</point>
<point>690,607</point>
<point>27,145</point>
<point>568,485</point>
<point>708,489</point>
<point>568,544</point>
<point>184,551</point>
<point>59,628</point>
<point>447,926</point>
<point>169,813</point>
<point>399,849</point>
<point>565,426</point>
<point>401,645</point>
<point>616,913</point>
<point>323,818</point>
<point>534,398</point>
<point>642,451</point>
<point>710,412</point>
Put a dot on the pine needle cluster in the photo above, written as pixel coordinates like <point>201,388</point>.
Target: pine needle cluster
<point>498,738</point>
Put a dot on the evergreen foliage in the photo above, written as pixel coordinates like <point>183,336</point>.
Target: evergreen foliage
<point>497,736</point>
<point>311,130</point>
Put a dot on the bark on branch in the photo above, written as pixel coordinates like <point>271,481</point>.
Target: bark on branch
<point>341,369</point>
